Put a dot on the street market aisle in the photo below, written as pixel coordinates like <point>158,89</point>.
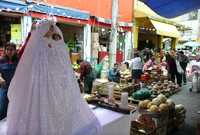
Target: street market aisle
<point>191,101</point>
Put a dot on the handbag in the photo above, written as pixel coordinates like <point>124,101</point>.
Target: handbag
<point>179,68</point>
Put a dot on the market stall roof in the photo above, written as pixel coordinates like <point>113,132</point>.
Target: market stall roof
<point>165,29</point>
<point>172,8</point>
<point>161,28</point>
<point>142,10</point>
<point>60,11</point>
<point>14,6</point>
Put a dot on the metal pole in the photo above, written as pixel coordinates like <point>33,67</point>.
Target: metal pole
<point>113,35</point>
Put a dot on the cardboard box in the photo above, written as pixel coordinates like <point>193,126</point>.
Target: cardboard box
<point>95,37</point>
<point>95,53</point>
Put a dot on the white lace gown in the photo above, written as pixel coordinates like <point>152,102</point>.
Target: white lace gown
<point>44,95</point>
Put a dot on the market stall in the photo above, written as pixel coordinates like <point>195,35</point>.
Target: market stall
<point>10,30</point>
<point>159,116</point>
<point>73,37</point>
<point>100,40</point>
<point>153,113</point>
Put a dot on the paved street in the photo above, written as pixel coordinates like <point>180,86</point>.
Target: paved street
<point>191,101</point>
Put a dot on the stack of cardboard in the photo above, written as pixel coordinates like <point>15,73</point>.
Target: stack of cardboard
<point>95,44</point>
<point>123,87</point>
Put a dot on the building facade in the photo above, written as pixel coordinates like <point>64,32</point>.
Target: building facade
<point>190,20</point>
<point>79,20</point>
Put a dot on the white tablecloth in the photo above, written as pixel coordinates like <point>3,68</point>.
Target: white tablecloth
<point>113,123</point>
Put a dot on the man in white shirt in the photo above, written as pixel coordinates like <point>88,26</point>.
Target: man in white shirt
<point>137,66</point>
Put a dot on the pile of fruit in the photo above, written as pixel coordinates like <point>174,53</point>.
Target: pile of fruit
<point>160,104</point>
<point>179,117</point>
<point>151,117</point>
<point>167,88</point>
<point>118,88</point>
<point>76,67</point>
<point>126,74</point>
<point>100,88</point>
<point>122,87</point>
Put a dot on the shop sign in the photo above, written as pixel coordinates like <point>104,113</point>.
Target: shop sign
<point>16,35</point>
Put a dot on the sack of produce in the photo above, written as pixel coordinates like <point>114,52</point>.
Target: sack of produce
<point>143,93</point>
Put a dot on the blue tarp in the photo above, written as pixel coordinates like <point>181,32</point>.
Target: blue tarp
<point>15,6</point>
<point>65,12</point>
<point>172,8</point>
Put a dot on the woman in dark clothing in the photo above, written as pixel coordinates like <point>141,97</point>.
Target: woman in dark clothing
<point>87,75</point>
<point>8,64</point>
<point>183,63</point>
<point>172,68</point>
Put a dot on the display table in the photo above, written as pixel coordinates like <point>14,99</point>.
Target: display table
<point>113,123</point>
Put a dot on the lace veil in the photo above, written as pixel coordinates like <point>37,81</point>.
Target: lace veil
<point>44,94</point>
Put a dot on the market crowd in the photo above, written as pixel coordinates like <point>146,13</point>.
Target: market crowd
<point>171,64</point>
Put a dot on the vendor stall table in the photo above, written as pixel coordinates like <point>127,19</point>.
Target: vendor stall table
<point>113,123</point>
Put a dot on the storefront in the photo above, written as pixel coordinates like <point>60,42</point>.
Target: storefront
<point>74,39</point>
<point>153,31</point>
<point>11,22</point>
<point>100,22</point>
<point>10,29</point>
<point>153,34</point>
<point>100,40</point>
<point>11,14</point>
<point>78,28</point>
<point>72,23</point>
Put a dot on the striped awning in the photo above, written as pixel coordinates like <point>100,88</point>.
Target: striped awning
<point>59,11</point>
<point>13,6</point>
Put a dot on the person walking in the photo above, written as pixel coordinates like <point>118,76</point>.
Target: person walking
<point>175,76</point>
<point>137,66</point>
<point>183,63</point>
